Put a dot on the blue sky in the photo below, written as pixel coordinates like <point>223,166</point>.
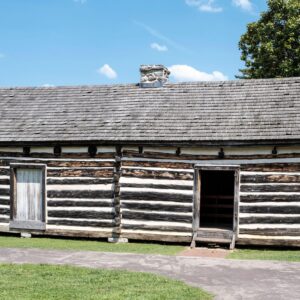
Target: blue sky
<point>71,42</point>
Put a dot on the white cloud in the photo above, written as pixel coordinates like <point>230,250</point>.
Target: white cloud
<point>161,37</point>
<point>205,5</point>
<point>188,73</point>
<point>158,47</point>
<point>243,4</point>
<point>107,71</point>
<point>80,1</point>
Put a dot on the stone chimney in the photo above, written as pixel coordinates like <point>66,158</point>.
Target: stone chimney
<point>153,76</point>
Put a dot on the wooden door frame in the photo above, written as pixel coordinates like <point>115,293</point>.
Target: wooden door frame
<point>26,225</point>
<point>197,192</point>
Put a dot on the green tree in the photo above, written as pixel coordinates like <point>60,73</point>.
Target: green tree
<point>271,46</point>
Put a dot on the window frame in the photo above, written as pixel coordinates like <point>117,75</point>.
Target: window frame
<point>27,225</point>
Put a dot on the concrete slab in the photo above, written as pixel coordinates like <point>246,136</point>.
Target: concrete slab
<point>227,279</point>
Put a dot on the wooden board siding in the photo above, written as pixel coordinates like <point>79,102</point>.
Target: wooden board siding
<point>79,194</point>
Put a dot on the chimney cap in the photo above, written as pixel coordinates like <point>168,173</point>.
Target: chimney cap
<point>153,75</point>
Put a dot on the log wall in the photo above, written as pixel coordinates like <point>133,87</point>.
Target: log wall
<point>80,192</point>
<point>147,193</point>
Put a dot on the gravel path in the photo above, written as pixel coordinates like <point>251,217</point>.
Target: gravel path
<point>227,279</point>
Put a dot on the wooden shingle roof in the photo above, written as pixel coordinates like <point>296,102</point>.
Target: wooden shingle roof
<point>202,112</point>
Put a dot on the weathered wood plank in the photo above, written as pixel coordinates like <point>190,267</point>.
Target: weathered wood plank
<point>83,203</point>
<point>274,167</point>
<point>101,194</point>
<point>4,201</point>
<point>192,157</point>
<point>283,242</point>
<point>274,178</point>
<point>272,231</point>
<point>269,198</point>
<point>158,186</point>
<point>156,196</point>
<point>270,188</point>
<point>86,223</point>
<point>271,209</point>
<point>80,214</point>
<point>4,181</point>
<point>61,162</point>
<point>270,220</point>
<point>78,180</point>
<point>159,164</point>
<point>4,220</point>
<point>76,172</point>
<point>4,171</point>
<point>4,191</point>
<point>157,174</point>
<point>156,227</point>
<point>156,206</point>
<point>5,210</point>
<point>142,215</point>
<point>157,237</point>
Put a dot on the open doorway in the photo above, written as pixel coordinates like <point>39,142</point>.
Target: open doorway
<point>217,199</point>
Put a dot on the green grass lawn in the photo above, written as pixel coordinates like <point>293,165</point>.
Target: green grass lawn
<point>88,245</point>
<point>65,282</point>
<point>266,254</point>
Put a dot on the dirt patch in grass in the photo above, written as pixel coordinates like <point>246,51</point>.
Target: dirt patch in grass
<point>205,252</point>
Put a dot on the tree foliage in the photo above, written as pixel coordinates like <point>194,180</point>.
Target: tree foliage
<point>271,46</point>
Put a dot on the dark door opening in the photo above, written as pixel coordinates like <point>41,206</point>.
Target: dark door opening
<point>217,199</point>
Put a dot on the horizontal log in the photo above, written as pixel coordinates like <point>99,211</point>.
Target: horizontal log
<point>158,164</point>
<point>269,220</point>
<point>269,198</point>
<point>174,156</point>
<point>101,194</point>
<point>270,209</point>
<point>4,171</point>
<point>157,237</point>
<point>75,233</point>
<point>274,178</point>
<point>78,180</point>
<point>157,207</point>
<point>267,242</point>
<point>157,174</point>
<point>274,167</point>
<point>74,164</point>
<point>86,155</point>
<point>271,231</point>
<point>156,228</point>
<point>83,203</point>
<point>4,201</point>
<point>4,181</point>
<point>80,214</point>
<point>158,186</point>
<point>134,215</point>
<point>61,162</point>
<point>4,211</point>
<point>4,220</point>
<point>270,188</point>
<point>4,192</point>
<point>76,172</point>
<point>78,223</point>
<point>155,196</point>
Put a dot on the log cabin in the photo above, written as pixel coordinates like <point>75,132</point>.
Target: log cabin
<point>211,162</point>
